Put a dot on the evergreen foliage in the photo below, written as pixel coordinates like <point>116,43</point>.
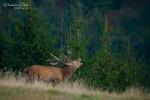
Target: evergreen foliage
<point>30,44</point>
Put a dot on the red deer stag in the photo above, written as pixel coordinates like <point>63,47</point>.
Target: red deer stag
<point>52,74</point>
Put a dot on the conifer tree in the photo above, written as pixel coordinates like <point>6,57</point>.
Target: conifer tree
<point>32,41</point>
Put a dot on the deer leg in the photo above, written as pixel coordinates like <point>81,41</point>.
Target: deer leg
<point>30,79</point>
<point>27,79</point>
<point>55,82</point>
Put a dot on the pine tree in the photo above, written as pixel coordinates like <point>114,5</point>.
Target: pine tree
<point>32,42</point>
<point>79,39</point>
<point>131,66</point>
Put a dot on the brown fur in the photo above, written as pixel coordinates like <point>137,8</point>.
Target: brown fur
<point>50,74</point>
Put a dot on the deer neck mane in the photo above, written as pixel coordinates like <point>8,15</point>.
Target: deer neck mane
<point>68,70</point>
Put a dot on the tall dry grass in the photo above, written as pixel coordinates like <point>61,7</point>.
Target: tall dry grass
<point>10,79</point>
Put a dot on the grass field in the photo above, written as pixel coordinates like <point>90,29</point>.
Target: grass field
<point>7,93</point>
<point>16,89</point>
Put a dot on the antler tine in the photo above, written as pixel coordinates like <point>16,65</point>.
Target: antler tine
<point>54,57</point>
<point>66,58</point>
<point>57,60</point>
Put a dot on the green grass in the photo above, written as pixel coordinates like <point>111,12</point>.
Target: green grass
<point>19,93</point>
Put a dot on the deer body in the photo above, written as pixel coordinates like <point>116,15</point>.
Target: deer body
<point>51,74</point>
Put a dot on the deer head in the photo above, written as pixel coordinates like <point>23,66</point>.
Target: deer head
<point>75,63</point>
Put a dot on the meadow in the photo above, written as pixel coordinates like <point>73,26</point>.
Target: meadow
<point>14,87</point>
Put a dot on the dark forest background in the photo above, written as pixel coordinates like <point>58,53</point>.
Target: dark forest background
<point>111,36</point>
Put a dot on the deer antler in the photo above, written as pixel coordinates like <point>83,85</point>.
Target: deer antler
<point>57,60</point>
